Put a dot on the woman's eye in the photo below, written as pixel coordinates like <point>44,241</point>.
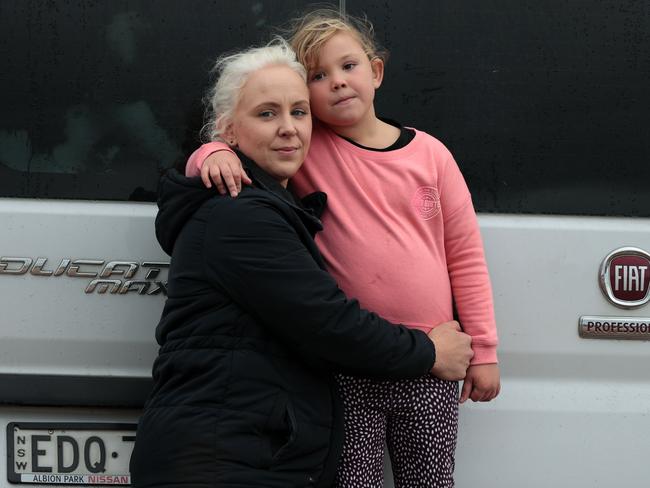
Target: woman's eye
<point>299,112</point>
<point>266,114</point>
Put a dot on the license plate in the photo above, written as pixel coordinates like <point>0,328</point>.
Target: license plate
<point>69,453</point>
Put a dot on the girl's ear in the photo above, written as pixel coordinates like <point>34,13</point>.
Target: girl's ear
<point>377,65</point>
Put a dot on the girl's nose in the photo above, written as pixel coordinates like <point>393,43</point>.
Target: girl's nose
<point>338,82</point>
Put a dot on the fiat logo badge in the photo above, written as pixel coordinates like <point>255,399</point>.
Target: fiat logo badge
<point>625,276</point>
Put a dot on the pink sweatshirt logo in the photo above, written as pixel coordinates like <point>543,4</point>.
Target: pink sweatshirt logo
<point>426,202</point>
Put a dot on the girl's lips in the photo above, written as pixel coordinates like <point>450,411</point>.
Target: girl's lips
<point>344,101</point>
<point>287,150</point>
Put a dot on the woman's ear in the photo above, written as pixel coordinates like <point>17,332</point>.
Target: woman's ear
<point>228,135</point>
<point>377,65</point>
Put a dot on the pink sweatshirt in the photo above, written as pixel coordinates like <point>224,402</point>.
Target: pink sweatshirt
<point>400,232</point>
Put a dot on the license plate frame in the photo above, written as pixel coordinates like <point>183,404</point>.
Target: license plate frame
<point>100,448</point>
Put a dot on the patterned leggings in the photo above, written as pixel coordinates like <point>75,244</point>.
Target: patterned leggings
<point>417,419</point>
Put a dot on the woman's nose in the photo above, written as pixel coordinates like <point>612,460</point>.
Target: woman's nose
<point>287,127</point>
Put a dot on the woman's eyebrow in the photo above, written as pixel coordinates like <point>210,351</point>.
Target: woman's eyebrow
<point>271,104</point>
<point>266,104</point>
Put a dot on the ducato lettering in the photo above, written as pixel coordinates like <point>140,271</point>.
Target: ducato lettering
<point>15,266</point>
<point>114,268</point>
<point>108,277</point>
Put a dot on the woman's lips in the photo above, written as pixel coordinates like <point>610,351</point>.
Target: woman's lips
<point>287,150</point>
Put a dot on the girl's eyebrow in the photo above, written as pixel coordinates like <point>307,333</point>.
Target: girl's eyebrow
<point>348,55</point>
<point>338,60</point>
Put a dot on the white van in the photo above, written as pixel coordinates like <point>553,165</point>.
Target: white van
<point>545,108</point>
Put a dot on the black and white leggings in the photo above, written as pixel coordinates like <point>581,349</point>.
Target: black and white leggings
<point>417,419</point>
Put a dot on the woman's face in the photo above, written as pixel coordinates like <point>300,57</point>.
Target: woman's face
<point>271,123</point>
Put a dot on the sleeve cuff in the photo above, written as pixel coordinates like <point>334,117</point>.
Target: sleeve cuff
<point>484,354</point>
<point>198,157</point>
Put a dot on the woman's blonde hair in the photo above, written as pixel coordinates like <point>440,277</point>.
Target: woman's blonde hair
<point>232,71</point>
<point>308,33</point>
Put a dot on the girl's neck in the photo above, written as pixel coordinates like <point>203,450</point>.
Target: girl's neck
<point>373,133</point>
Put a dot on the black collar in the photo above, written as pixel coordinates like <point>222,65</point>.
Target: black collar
<point>262,179</point>
<point>309,209</point>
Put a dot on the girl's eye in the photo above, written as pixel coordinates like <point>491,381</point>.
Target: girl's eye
<point>349,66</point>
<point>317,76</point>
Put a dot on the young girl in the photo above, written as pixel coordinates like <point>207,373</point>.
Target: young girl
<point>401,236</point>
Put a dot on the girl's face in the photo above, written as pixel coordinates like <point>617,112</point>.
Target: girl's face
<point>271,123</point>
<point>342,84</point>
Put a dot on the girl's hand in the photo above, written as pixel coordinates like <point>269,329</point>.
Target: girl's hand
<point>481,384</point>
<point>225,170</point>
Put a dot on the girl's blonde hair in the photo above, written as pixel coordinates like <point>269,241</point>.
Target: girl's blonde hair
<point>232,71</point>
<point>308,33</point>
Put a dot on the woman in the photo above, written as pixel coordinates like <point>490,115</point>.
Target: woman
<point>254,327</point>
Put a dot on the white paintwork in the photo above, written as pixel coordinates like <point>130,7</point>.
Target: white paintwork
<point>572,412</point>
<point>48,324</point>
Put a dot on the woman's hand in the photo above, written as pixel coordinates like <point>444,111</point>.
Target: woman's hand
<point>482,383</point>
<point>225,170</point>
<point>453,351</point>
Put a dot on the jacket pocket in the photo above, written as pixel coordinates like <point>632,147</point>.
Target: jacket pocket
<point>281,427</point>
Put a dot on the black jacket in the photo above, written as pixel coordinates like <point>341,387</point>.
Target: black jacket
<point>251,332</point>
